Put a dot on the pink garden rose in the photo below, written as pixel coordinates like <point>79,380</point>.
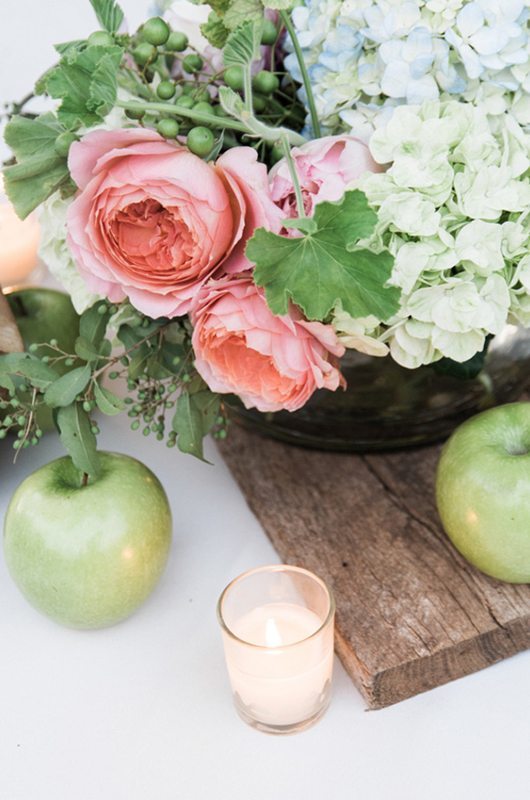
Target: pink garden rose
<point>326,168</point>
<point>271,362</point>
<point>153,222</point>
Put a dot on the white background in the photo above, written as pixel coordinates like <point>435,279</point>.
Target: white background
<point>143,711</point>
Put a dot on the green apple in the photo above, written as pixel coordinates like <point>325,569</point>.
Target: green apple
<point>43,314</point>
<point>88,556</point>
<point>483,491</point>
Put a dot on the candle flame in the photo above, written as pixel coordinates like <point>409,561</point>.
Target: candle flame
<point>272,634</point>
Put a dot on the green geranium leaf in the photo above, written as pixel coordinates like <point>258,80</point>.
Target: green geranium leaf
<point>39,171</point>
<point>318,269</point>
<point>215,31</point>
<point>78,439</point>
<point>242,47</point>
<point>64,391</point>
<point>109,14</point>
<point>74,46</point>
<point>188,425</point>
<point>240,12</point>
<point>85,82</point>
<point>107,402</point>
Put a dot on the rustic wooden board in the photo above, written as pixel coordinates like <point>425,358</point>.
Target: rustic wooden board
<point>411,613</point>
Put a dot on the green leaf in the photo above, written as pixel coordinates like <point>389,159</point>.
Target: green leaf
<point>39,171</point>
<point>86,84</point>
<point>93,324</point>
<point>243,45</point>
<point>64,391</point>
<point>188,424</point>
<point>317,270</point>
<point>107,402</point>
<point>304,224</point>
<point>209,405</point>
<point>240,11</point>
<point>86,350</point>
<point>73,46</point>
<point>76,435</point>
<point>109,14</point>
<point>281,5</point>
<point>215,31</point>
<point>40,375</point>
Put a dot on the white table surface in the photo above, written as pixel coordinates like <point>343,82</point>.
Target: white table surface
<point>142,711</point>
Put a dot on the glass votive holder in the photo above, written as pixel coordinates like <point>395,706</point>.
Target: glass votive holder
<point>277,624</point>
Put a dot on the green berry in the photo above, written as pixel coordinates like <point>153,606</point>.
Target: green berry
<point>87,406</point>
<point>135,425</point>
<point>100,39</point>
<point>3,433</point>
<point>20,434</point>
<point>63,142</point>
<point>166,90</point>
<point>185,102</point>
<point>192,63</point>
<point>200,141</point>
<point>156,31</point>
<point>259,102</point>
<point>33,348</point>
<point>219,111</point>
<point>177,42</point>
<point>68,362</point>
<point>233,77</point>
<point>203,108</point>
<point>169,128</point>
<point>102,309</point>
<point>53,342</point>
<point>21,420</point>
<point>269,32</point>
<point>144,54</point>
<point>266,82</point>
<point>16,444</point>
<point>8,421</point>
<point>95,430</point>
<point>133,114</point>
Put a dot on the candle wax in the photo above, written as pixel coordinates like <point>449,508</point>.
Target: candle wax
<point>19,242</point>
<point>284,680</point>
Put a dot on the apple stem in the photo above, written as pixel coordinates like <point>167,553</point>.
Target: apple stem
<point>84,482</point>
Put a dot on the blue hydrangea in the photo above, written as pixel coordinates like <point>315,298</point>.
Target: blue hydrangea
<point>367,55</point>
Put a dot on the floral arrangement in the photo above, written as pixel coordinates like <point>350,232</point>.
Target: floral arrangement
<point>225,225</point>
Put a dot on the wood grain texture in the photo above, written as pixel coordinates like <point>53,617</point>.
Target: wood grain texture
<point>411,613</point>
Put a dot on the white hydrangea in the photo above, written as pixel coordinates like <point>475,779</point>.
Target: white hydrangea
<point>374,54</point>
<point>453,210</point>
<point>56,254</point>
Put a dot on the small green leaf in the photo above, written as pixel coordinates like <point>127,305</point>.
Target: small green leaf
<point>93,324</point>
<point>107,402</point>
<point>240,11</point>
<point>39,171</point>
<point>215,31</point>
<point>64,391</point>
<point>209,405</point>
<point>40,375</point>
<point>109,14</point>
<point>243,45</point>
<point>76,434</point>
<point>85,82</point>
<point>187,423</point>
<point>73,46</point>
<point>319,269</point>
<point>86,350</point>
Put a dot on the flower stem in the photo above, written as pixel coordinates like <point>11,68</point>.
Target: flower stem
<point>195,116</point>
<point>315,122</point>
<point>294,177</point>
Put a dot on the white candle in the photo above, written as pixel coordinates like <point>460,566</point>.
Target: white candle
<point>19,242</point>
<point>279,656</point>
